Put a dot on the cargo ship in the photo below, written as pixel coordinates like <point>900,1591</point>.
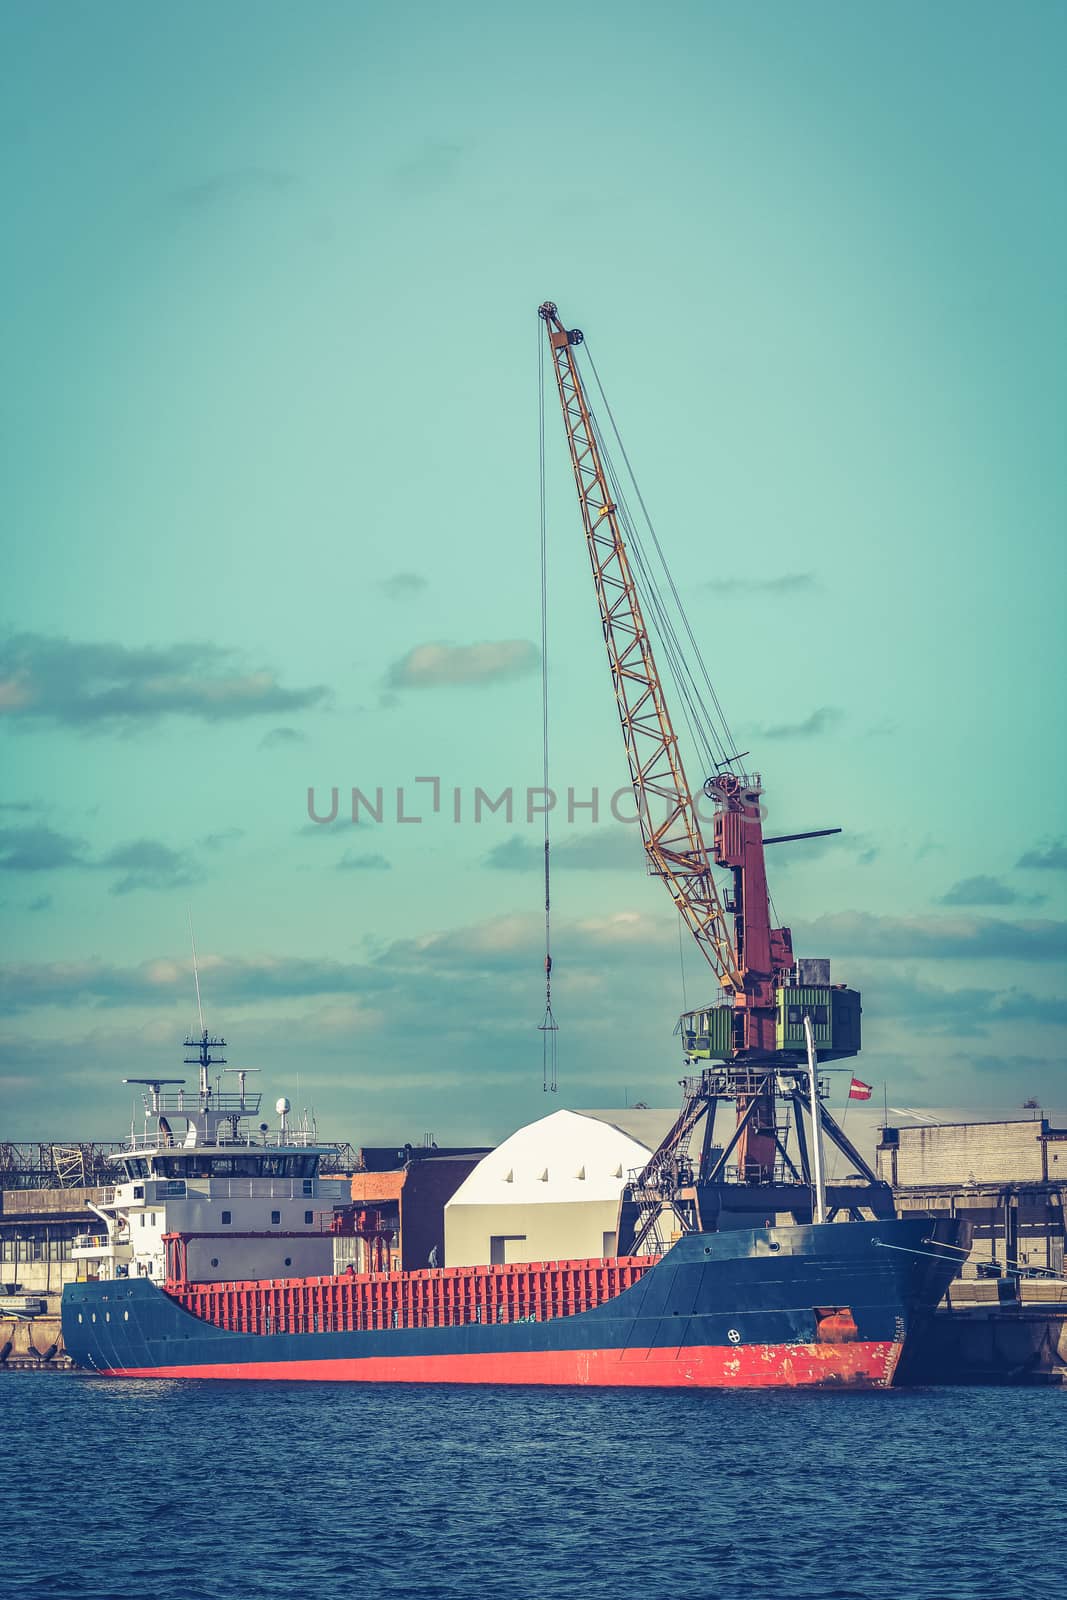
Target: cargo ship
<point>226,1254</point>
<point>737,1263</point>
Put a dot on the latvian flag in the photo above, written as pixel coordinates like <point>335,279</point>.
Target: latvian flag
<point>858,1090</point>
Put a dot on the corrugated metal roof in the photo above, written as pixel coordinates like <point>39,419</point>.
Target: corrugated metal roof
<point>649,1125</point>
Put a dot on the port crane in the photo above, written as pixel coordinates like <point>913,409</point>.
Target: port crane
<point>753,1033</point>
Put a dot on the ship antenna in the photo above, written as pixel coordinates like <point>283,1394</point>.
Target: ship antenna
<point>203,1045</point>
<point>196,974</point>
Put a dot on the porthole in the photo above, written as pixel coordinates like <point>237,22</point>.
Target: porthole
<point>288,1261</point>
<point>707,1249</point>
<point>214,1261</point>
<point>80,1317</point>
<point>773,1245</point>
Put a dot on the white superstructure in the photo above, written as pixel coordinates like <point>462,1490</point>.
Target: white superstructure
<point>205,1193</point>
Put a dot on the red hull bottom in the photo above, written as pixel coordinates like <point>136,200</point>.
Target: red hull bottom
<point>863,1364</point>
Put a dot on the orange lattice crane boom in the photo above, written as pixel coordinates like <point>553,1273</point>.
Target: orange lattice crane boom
<point>670,824</point>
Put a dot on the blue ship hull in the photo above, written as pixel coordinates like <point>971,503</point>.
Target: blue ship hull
<point>826,1305</point>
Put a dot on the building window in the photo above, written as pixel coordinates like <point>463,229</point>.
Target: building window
<point>227,1216</point>
<point>309,1187</point>
<point>275,1218</point>
<point>309,1217</point>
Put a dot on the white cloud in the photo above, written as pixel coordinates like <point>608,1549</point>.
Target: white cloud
<point>428,666</point>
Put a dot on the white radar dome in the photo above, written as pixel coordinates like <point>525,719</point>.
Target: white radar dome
<point>282,1106</point>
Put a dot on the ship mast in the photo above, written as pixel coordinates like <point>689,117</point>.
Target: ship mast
<point>203,1045</point>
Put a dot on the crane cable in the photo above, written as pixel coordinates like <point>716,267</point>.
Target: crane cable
<point>701,730</point>
<point>726,740</point>
<point>696,655</point>
<point>549,1028</point>
<point>719,749</point>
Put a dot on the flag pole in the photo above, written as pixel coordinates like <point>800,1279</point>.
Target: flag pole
<point>835,1155</point>
<point>816,1123</point>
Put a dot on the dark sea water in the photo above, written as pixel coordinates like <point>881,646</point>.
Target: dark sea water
<point>196,1491</point>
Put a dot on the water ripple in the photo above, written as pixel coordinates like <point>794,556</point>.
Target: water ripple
<point>219,1491</point>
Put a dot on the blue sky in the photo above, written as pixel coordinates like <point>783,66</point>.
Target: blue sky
<point>270,441</point>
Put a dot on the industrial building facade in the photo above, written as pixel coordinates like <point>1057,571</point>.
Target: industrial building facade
<point>1008,1179</point>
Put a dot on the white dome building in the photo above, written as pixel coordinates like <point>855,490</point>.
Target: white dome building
<point>551,1191</point>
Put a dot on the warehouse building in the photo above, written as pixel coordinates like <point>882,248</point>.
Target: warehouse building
<point>551,1191</point>
<point>1007,1178</point>
<point>403,1195</point>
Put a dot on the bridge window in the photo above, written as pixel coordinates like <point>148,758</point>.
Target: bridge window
<point>816,1013</point>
